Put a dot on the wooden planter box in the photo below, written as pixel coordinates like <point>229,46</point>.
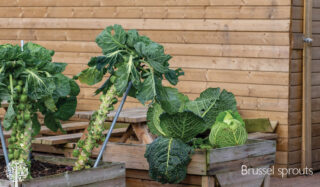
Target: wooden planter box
<point>215,167</point>
<point>106,175</point>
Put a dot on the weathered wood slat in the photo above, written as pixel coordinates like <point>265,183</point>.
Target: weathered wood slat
<point>169,36</point>
<point>264,136</point>
<point>250,90</point>
<point>159,24</point>
<point>67,138</point>
<point>77,64</point>
<point>236,178</point>
<point>56,140</point>
<point>67,127</point>
<point>250,51</point>
<point>251,149</point>
<point>237,164</point>
<point>80,3</point>
<point>144,175</point>
<point>134,115</point>
<point>234,12</point>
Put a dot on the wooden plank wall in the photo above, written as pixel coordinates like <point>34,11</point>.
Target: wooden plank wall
<point>316,86</point>
<point>242,46</point>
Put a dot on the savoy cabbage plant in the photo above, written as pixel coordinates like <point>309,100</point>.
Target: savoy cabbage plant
<point>169,155</point>
<point>127,57</point>
<point>228,130</point>
<point>31,83</point>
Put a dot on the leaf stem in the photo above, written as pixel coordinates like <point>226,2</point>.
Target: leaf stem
<point>11,87</point>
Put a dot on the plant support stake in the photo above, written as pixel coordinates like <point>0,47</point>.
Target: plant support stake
<point>4,147</point>
<point>112,125</point>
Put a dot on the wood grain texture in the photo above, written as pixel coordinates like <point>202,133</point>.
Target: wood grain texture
<point>159,24</point>
<point>169,36</point>
<point>90,3</point>
<point>226,12</point>
<point>253,51</point>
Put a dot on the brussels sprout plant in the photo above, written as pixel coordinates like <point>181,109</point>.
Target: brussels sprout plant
<point>127,57</point>
<point>31,83</point>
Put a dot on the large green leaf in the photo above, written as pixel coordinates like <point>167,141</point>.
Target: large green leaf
<point>183,125</point>
<point>62,82</point>
<point>148,89</point>
<point>111,39</point>
<point>125,71</point>
<point>54,68</point>
<point>168,159</point>
<point>75,89</point>
<point>211,102</point>
<point>171,99</point>
<point>153,53</point>
<point>50,104</point>
<point>90,76</point>
<point>9,117</point>
<point>4,93</point>
<point>35,54</point>
<point>39,86</point>
<point>36,126</point>
<point>51,122</point>
<point>153,119</point>
<point>66,108</point>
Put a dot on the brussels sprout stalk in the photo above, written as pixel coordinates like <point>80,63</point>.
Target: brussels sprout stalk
<point>112,125</point>
<point>95,129</point>
<point>36,86</point>
<point>127,57</point>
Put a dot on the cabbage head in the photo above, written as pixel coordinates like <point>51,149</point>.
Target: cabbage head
<point>228,130</point>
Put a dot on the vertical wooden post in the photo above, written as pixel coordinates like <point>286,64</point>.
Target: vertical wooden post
<point>306,114</point>
<point>207,181</point>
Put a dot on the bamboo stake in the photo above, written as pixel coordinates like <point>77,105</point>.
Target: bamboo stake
<point>306,159</point>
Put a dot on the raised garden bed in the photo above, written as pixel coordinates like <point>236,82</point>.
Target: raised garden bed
<point>107,174</point>
<point>220,167</point>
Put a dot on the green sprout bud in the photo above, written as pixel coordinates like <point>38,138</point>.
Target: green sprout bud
<point>76,153</point>
<point>23,98</point>
<point>21,106</point>
<point>10,156</point>
<point>20,123</point>
<point>81,143</point>
<point>18,88</point>
<point>19,116</point>
<point>25,90</point>
<point>27,117</point>
<point>114,100</point>
<point>20,82</point>
<point>113,78</point>
<point>16,154</point>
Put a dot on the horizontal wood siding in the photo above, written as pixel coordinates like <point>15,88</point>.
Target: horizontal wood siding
<point>241,46</point>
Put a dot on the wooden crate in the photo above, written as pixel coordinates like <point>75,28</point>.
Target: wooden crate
<point>106,175</point>
<point>220,167</point>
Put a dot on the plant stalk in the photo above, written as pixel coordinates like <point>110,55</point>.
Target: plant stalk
<point>112,125</point>
<point>95,129</point>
